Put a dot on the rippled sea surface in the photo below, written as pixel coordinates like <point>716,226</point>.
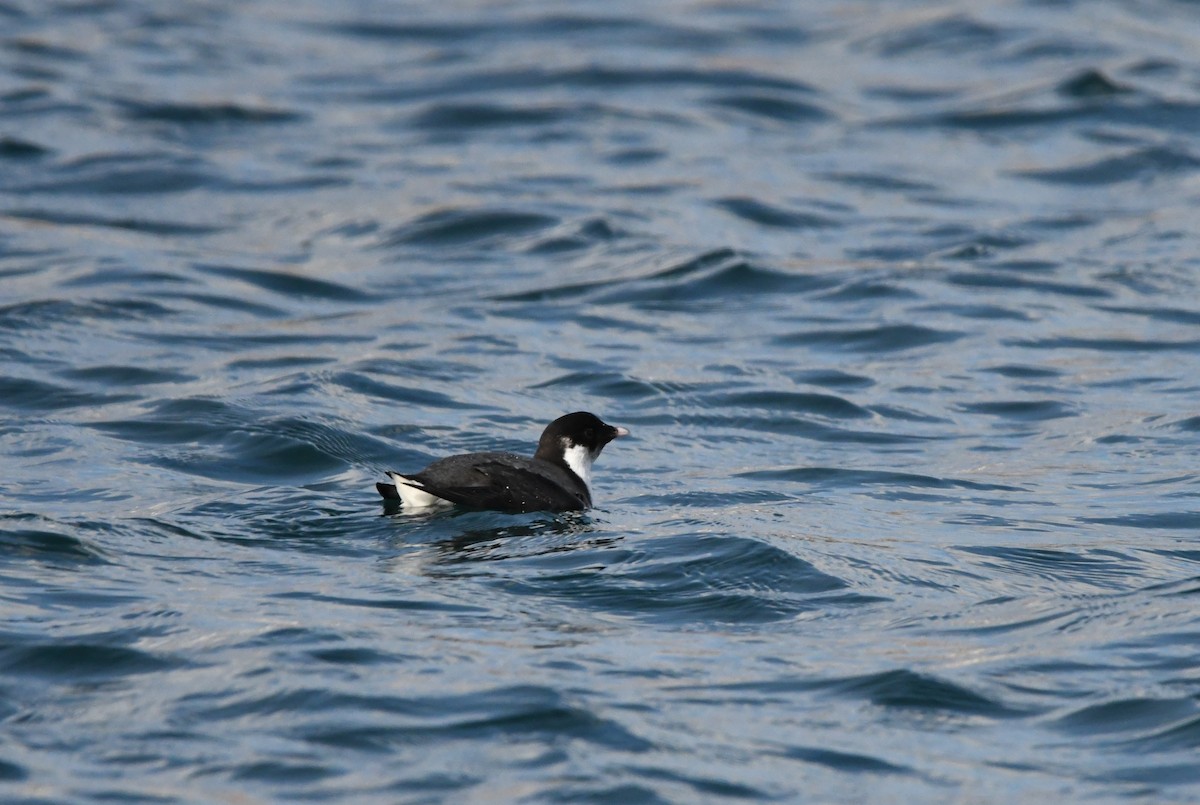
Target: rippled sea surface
<point>901,302</point>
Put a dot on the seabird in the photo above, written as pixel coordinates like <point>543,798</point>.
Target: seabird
<point>558,477</point>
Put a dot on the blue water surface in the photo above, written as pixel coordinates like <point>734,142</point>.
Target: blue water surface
<point>901,302</point>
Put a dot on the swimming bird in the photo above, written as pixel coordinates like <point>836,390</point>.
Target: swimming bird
<point>558,477</point>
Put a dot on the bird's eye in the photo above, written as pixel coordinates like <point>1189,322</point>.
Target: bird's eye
<point>589,434</point>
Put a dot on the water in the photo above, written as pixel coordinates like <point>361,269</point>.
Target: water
<point>898,300</point>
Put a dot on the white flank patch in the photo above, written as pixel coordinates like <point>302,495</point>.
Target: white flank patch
<point>413,496</point>
<point>580,461</point>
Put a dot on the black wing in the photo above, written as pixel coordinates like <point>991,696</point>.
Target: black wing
<point>502,487</point>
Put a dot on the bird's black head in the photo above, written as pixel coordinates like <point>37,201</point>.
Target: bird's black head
<point>578,429</point>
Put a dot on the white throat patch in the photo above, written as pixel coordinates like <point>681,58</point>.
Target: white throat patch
<point>580,461</point>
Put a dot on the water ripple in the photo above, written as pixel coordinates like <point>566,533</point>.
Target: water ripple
<point>1021,410</point>
<point>205,113</point>
<point>1138,165</point>
<point>886,338</point>
<point>512,713</point>
<point>458,117</point>
<point>837,477</point>
<point>289,284</point>
<point>451,226</point>
<point>149,226</point>
<point>76,660</point>
<point>27,536</point>
<point>764,214</point>
<point>771,106</point>
<point>849,762</point>
<point>694,577</point>
<point>1129,715</point>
